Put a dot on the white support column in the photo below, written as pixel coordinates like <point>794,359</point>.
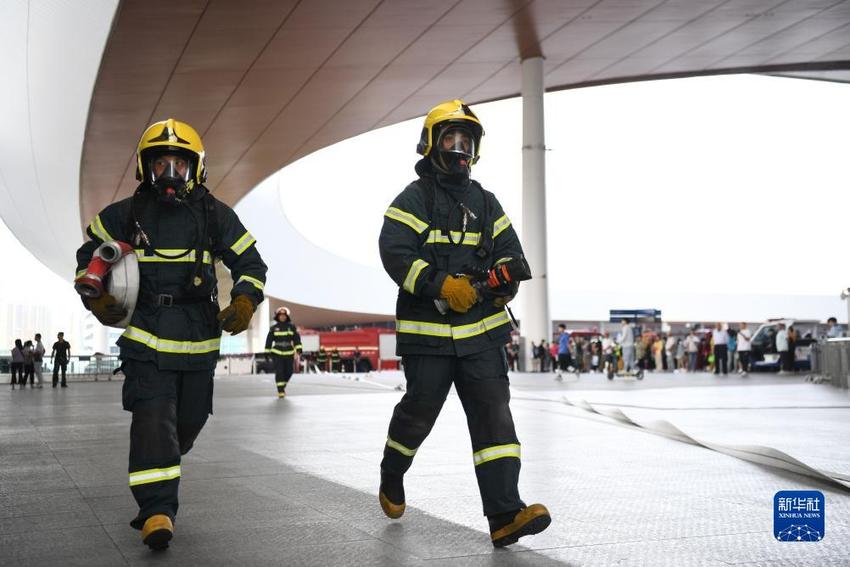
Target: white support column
<point>535,322</point>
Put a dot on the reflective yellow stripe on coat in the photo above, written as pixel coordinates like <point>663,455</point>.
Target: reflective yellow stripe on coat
<point>168,345</point>
<point>244,242</point>
<point>406,218</point>
<point>99,230</point>
<point>176,255</point>
<point>457,332</point>
<point>413,273</point>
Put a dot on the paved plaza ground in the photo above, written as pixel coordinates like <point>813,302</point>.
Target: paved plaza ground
<point>293,482</point>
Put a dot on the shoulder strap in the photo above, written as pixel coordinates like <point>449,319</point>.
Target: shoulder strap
<point>212,222</point>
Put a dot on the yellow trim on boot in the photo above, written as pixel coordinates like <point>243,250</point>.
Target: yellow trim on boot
<point>157,531</point>
<point>394,511</point>
<point>281,395</point>
<point>521,520</point>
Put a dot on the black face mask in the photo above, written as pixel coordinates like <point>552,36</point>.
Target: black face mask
<point>171,191</point>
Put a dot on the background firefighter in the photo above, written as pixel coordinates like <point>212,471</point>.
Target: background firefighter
<point>170,346</point>
<point>283,343</point>
<point>442,225</point>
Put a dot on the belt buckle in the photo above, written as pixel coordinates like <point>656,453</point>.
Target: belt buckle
<point>165,299</point>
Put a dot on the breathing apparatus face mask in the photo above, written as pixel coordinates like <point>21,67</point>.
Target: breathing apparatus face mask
<point>455,151</point>
<point>171,176</point>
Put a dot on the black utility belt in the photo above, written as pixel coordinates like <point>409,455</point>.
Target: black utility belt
<point>167,300</point>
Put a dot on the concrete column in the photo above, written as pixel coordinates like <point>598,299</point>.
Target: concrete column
<point>535,323</point>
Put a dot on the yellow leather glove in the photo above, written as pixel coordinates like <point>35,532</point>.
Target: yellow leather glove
<point>236,317</point>
<point>459,293</point>
<point>106,309</point>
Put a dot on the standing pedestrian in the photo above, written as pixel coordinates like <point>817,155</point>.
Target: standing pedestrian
<point>721,342</point>
<point>626,340</point>
<point>744,345</point>
<point>60,355</point>
<point>544,356</point>
<point>793,337</point>
<point>17,364</point>
<point>670,351</point>
<point>782,349</point>
<point>732,349</point>
<point>692,348</point>
<point>29,366</point>
<point>38,360</point>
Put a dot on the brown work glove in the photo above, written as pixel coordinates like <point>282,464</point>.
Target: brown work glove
<point>236,317</point>
<point>106,309</point>
<point>459,293</point>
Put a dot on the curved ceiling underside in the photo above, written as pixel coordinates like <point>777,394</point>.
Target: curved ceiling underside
<point>266,82</point>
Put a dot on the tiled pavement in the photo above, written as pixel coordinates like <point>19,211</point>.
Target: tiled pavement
<point>293,482</point>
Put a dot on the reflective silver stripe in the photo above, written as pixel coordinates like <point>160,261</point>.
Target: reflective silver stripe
<point>401,448</point>
<point>497,452</point>
<point>423,328</point>
<point>437,237</point>
<point>170,346</point>
<point>281,352</point>
<point>500,225</point>
<point>243,243</point>
<point>257,283</point>
<point>406,218</point>
<point>99,230</point>
<point>415,268</point>
<point>282,333</point>
<point>181,254</point>
<point>154,475</point>
<point>281,383</point>
<point>474,329</point>
<point>502,260</point>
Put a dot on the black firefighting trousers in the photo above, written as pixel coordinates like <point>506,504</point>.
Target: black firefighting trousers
<point>283,366</point>
<point>481,382</point>
<point>169,410</point>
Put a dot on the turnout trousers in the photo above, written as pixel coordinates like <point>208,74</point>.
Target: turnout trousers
<point>481,382</point>
<point>283,366</point>
<point>169,410</point>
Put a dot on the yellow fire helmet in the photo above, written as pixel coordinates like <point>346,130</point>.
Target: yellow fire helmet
<point>444,114</point>
<point>174,136</point>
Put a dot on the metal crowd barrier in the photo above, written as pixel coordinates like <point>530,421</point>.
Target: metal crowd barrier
<point>831,362</point>
<point>81,368</point>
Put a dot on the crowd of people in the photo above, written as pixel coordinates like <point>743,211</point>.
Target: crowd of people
<point>28,362</point>
<point>722,349</point>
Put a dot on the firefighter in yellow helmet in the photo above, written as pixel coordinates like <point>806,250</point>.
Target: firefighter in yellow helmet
<point>170,346</point>
<point>441,226</point>
<point>283,344</point>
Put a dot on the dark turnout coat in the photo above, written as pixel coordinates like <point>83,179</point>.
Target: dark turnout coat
<point>422,242</point>
<point>174,324</point>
